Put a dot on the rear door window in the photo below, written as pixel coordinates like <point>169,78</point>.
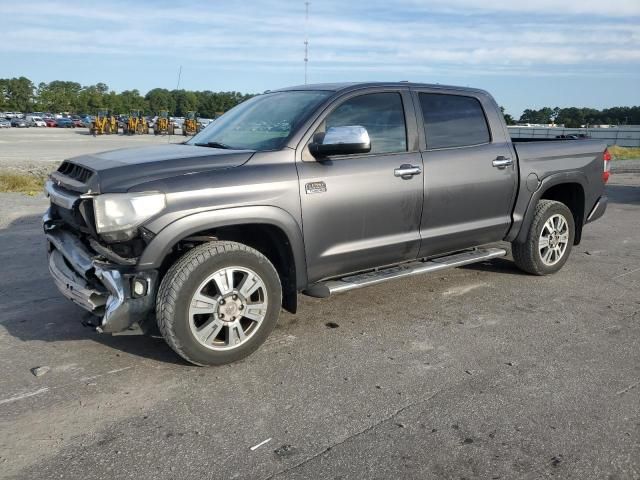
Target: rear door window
<point>453,121</point>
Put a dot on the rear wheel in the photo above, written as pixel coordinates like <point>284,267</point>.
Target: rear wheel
<point>549,240</point>
<point>218,303</point>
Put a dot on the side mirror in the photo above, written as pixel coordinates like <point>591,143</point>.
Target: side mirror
<point>341,141</point>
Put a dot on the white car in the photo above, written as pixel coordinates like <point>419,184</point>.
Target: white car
<point>35,121</point>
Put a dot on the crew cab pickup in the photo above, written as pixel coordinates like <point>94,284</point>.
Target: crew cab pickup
<point>316,189</point>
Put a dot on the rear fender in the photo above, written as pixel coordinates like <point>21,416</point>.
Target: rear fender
<point>520,235</point>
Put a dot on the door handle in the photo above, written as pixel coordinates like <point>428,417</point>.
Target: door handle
<point>502,162</point>
<point>407,171</point>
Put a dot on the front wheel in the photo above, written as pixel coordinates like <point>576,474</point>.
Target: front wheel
<point>218,303</point>
<point>549,240</point>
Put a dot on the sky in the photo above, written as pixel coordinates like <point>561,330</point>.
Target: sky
<point>527,53</point>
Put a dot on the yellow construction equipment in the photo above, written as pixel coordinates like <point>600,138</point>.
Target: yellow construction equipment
<point>137,124</point>
<point>105,123</point>
<point>190,125</point>
<point>163,125</point>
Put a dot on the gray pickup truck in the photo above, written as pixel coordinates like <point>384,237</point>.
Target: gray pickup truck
<point>316,189</point>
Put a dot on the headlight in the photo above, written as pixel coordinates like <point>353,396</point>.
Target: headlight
<point>118,212</point>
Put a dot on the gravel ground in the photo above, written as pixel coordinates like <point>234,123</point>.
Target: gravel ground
<point>40,150</point>
<point>478,372</point>
<point>626,166</point>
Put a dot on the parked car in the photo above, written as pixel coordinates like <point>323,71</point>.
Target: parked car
<point>204,122</point>
<point>35,121</point>
<point>51,122</point>
<point>78,122</point>
<point>19,122</point>
<point>5,123</point>
<point>389,180</point>
<point>65,123</point>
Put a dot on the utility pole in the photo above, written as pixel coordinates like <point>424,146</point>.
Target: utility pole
<point>306,40</point>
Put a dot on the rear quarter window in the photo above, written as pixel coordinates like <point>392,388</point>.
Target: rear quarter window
<point>453,121</point>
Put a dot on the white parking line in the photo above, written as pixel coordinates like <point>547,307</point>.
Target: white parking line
<point>24,395</point>
<point>625,274</point>
<point>260,444</point>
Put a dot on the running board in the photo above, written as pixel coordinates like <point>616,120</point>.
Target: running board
<point>324,289</point>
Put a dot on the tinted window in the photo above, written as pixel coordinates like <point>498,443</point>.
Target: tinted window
<point>381,114</point>
<point>453,121</point>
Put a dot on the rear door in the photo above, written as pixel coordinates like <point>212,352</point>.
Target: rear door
<point>358,213</point>
<point>470,174</point>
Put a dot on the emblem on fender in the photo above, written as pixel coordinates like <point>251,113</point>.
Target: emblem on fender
<point>315,187</point>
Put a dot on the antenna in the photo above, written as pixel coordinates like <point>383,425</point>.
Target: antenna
<point>306,39</point>
<point>179,75</point>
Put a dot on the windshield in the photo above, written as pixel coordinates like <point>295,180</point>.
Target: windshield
<point>263,122</point>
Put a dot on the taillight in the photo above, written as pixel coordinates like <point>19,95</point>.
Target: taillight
<point>606,156</point>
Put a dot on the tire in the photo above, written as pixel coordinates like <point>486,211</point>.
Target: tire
<point>532,256</point>
<point>214,337</point>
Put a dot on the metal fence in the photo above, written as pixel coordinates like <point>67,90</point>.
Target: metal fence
<point>625,136</point>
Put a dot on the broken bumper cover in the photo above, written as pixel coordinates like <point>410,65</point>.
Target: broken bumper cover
<point>103,289</point>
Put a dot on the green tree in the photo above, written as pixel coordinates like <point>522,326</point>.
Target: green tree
<point>17,94</point>
<point>132,100</point>
<point>507,118</point>
<point>185,101</point>
<point>58,96</point>
<point>160,99</point>
<point>91,99</point>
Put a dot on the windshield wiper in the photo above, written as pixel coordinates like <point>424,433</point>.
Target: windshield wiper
<point>214,145</point>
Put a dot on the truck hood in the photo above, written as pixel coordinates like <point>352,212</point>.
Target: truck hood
<point>120,170</point>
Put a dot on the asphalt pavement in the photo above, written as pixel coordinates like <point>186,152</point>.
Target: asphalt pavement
<point>478,372</point>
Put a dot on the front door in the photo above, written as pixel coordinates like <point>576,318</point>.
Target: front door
<point>358,213</point>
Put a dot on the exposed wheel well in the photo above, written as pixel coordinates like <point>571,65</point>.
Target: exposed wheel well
<point>269,240</point>
<point>572,195</point>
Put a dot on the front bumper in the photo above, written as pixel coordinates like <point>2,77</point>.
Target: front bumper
<point>101,288</point>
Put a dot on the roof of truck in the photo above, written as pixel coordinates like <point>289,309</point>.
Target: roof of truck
<point>357,85</point>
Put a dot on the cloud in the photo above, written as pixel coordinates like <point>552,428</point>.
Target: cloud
<point>619,8</point>
<point>472,36</point>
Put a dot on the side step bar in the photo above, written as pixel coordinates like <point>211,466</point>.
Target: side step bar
<point>324,289</point>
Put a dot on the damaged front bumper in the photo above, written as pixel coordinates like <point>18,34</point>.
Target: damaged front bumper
<point>119,296</point>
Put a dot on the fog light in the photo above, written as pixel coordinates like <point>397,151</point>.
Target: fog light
<point>139,287</point>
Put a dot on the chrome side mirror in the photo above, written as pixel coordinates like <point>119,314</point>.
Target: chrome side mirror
<point>344,140</point>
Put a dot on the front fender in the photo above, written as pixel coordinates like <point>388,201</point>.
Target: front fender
<point>168,237</point>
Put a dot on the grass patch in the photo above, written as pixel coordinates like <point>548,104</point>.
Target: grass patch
<point>21,182</point>
<point>624,153</point>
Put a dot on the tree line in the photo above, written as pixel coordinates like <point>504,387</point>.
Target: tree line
<point>22,95</point>
<point>576,117</point>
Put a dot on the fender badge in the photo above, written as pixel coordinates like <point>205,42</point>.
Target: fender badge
<point>315,187</point>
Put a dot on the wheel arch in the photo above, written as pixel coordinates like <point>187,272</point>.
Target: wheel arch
<point>567,188</point>
<point>270,230</point>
